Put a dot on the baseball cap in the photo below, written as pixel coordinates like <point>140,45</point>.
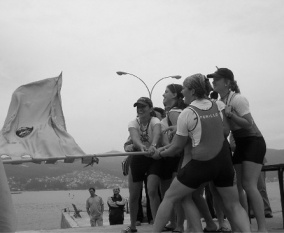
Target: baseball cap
<point>222,73</point>
<point>144,101</point>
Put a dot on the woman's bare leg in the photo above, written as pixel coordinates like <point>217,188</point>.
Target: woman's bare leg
<point>219,208</point>
<point>192,214</point>
<point>165,184</point>
<point>202,206</point>
<point>176,192</point>
<point>134,194</point>
<point>250,175</point>
<point>235,212</point>
<point>153,183</point>
<point>242,193</point>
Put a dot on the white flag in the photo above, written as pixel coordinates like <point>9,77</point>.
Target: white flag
<point>35,124</point>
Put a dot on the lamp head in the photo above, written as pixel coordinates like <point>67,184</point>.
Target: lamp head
<point>121,73</point>
<point>176,76</point>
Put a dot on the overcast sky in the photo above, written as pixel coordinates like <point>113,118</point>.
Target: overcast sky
<point>89,40</point>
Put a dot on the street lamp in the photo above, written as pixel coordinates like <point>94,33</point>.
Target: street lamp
<point>149,92</point>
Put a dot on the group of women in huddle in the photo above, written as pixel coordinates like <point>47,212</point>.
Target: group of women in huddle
<point>196,149</point>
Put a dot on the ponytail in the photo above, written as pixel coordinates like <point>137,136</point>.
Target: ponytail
<point>234,87</point>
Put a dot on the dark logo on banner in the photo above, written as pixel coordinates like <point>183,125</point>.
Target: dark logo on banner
<point>24,131</point>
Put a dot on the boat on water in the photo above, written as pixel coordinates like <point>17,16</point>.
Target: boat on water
<point>16,192</point>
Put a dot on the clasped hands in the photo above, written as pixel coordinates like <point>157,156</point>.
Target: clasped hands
<point>154,152</point>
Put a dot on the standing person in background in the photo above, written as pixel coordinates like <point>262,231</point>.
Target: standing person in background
<point>145,133</point>
<point>95,208</point>
<point>250,144</point>
<point>201,133</point>
<point>116,205</point>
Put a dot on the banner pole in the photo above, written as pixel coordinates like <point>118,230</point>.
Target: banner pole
<point>9,160</point>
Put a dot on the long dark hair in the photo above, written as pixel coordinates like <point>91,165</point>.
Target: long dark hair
<point>160,110</point>
<point>176,89</point>
<point>234,86</point>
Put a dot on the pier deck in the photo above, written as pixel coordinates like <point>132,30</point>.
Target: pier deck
<point>274,225</point>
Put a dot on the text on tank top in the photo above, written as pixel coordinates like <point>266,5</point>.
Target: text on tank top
<point>212,133</point>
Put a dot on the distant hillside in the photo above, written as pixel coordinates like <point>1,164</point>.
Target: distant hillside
<point>273,157</point>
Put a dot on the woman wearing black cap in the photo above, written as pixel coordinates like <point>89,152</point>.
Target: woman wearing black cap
<point>250,145</point>
<point>201,133</point>
<point>145,132</point>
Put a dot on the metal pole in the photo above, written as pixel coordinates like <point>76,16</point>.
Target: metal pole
<point>149,92</point>
<point>123,73</point>
<point>39,160</point>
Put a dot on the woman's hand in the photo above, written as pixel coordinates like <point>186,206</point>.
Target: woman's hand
<point>156,155</point>
<point>151,151</point>
<point>129,148</point>
<point>171,129</point>
<point>143,148</point>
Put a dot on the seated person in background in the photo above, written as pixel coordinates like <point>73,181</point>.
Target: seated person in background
<point>116,205</point>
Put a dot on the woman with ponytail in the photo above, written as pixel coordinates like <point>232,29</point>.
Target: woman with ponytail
<point>250,145</point>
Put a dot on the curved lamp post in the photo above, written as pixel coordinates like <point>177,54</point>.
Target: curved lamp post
<point>149,92</point>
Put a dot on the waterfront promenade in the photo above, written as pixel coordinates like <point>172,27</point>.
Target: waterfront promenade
<point>274,224</point>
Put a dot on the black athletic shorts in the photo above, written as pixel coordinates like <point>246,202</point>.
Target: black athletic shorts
<point>141,165</point>
<point>220,170</point>
<point>169,165</point>
<point>251,149</point>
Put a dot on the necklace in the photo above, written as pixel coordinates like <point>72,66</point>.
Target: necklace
<point>144,137</point>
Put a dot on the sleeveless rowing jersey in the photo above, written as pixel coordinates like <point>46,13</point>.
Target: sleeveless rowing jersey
<point>207,135</point>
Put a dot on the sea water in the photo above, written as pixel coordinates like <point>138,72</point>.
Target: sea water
<point>41,210</point>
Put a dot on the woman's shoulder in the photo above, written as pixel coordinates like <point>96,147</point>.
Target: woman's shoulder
<point>189,110</point>
<point>221,105</point>
<point>202,104</point>
<point>155,120</point>
<point>133,123</point>
<point>237,98</point>
<point>175,109</point>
